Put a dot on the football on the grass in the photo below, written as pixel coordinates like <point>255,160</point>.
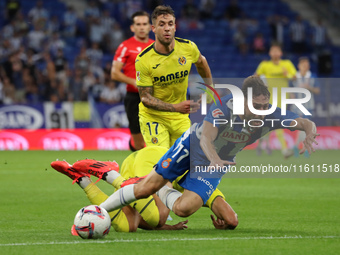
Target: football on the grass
<point>92,222</point>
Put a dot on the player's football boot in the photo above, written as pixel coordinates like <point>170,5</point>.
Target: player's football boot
<point>95,167</point>
<point>67,169</point>
<point>74,231</point>
<point>133,180</point>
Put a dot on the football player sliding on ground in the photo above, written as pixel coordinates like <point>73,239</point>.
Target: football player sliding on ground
<point>149,213</point>
<point>208,145</point>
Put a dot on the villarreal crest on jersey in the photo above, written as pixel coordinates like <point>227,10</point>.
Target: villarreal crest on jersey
<point>166,73</point>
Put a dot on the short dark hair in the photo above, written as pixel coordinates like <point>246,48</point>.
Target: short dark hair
<point>161,10</point>
<point>137,14</point>
<point>276,44</point>
<point>303,59</point>
<point>259,88</point>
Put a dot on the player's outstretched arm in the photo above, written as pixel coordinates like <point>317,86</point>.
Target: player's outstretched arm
<point>209,134</point>
<point>309,128</point>
<point>179,226</point>
<point>147,98</point>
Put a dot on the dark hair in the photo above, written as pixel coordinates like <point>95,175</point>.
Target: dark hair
<point>255,82</point>
<point>137,14</point>
<point>276,44</point>
<point>303,59</point>
<point>161,10</point>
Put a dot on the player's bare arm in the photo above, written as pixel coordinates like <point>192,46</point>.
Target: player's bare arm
<point>203,69</point>
<point>209,134</point>
<point>309,128</point>
<point>150,101</point>
<point>118,75</point>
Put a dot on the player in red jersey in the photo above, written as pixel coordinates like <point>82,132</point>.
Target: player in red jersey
<point>123,70</point>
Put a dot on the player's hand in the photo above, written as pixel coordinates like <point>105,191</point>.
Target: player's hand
<point>220,163</point>
<point>187,106</point>
<point>180,225</point>
<point>218,223</point>
<point>308,143</point>
<point>285,71</point>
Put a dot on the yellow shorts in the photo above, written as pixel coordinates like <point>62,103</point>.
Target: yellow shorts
<point>160,131</point>
<point>141,163</point>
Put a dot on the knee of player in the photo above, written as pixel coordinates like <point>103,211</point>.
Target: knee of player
<point>182,210</point>
<point>142,191</point>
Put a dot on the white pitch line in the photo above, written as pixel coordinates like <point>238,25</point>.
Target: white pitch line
<point>175,239</point>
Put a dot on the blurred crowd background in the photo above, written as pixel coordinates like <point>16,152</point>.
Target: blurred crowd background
<point>62,50</point>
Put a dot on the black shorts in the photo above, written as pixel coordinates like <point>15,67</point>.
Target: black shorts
<point>131,103</point>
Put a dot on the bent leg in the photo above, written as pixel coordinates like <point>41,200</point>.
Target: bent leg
<point>187,204</point>
<point>131,193</point>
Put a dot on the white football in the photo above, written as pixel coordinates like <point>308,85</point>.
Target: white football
<point>92,222</point>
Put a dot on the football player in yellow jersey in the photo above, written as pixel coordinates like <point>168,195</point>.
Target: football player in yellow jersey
<point>162,71</point>
<point>277,73</point>
<point>149,213</point>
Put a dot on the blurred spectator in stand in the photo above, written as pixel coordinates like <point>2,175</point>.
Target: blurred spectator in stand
<point>21,26</point>
<point>107,21</point>
<point>30,63</point>
<point>38,13</point>
<point>94,54</point>
<point>240,38</point>
<point>297,31</point>
<point>189,10</point>
<point>8,30</point>
<point>189,18</point>
<point>89,81</point>
<point>259,44</point>
<point>16,41</point>
<point>61,68</point>
<point>319,37</point>
<point>70,22</point>
<point>82,62</point>
<point>15,74</point>
<point>110,94</point>
<point>207,8</point>
<point>277,23</point>
<point>8,91</point>
<point>6,49</point>
<point>31,91</point>
<point>55,43</point>
<point>96,31</point>
<point>233,11</point>
<point>116,37</point>
<point>76,86</point>
<point>107,70</point>
<point>36,37</point>
<point>2,93</point>
<point>53,25</point>
<point>92,10</point>
<point>12,8</point>
<point>132,6</point>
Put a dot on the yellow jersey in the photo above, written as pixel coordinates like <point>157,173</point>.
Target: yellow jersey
<point>274,74</point>
<point>166,73</point>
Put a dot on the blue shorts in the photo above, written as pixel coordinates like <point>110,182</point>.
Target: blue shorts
<point>176,161</point>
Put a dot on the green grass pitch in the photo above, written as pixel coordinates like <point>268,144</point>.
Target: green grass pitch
<point>276,215</point>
